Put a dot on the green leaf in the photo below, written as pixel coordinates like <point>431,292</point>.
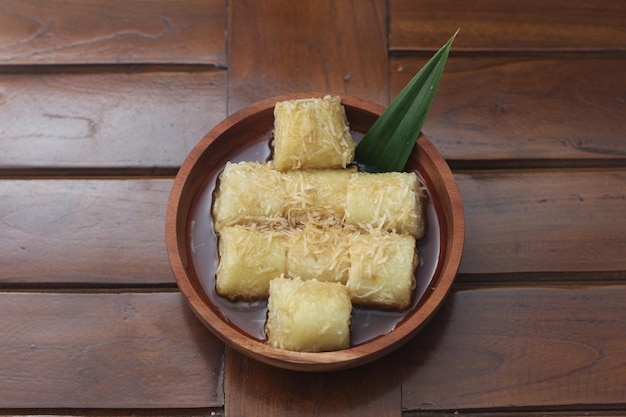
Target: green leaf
<point>389,142</point>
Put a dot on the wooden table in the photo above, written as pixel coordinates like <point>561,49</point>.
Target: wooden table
<point>101,101</point>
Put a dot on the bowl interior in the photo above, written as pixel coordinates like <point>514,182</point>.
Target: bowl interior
<point>192,244</point>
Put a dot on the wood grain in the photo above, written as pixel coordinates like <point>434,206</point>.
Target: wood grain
<point>532,221</point>
<point>508,346</point>
<point>105,232</point>
<point>369,390</point>
<point>524,108</point>
<point>281,49</point>
<point>127,412</point>
<point>115,32</point>
<point>522,413</point>
<point>101,101</point>
<point>541,347</point>
<point>492,25</point>
<point>99,350</point>
<point>79,232</point>
<point>102,119</point>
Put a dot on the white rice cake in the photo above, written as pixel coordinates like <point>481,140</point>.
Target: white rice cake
<point>311,133</point>
<point>317,196</point>
<point>382,269</point>
<point>308,316</point>
<point>321,254</point>
<point>248,261</point>
<point>390,201</point>
<point>248,193</point>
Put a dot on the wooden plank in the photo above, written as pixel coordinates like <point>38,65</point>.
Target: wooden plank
<point>71,350</point>
<point>518,413</point>
<point>369,390</point>
<point>494,25</point>
<point>465,358</point>
<point>525,108</point>
<point>129,412</point>
<point>534,221</point>
<point>112,31</point>
<point>104,232</point>
<point>284,46</point>
<point>102,119</point>
<point>520,347</point>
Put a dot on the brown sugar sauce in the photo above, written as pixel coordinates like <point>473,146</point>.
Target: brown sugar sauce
<point>249,317</point>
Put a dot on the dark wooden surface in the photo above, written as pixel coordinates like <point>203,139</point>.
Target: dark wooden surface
<point>100,102</point>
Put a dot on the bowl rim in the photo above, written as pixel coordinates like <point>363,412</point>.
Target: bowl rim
<point>319,361</point>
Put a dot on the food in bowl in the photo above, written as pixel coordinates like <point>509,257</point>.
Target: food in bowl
<point>270,217</point>
<point>193,251</point>
<point>308,316</point>
<point>257,193</point>
<point>311,133</point>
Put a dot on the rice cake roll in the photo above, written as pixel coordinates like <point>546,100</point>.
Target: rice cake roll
<point>308,316</point>
<point>322,254</point>
<point>251,193</point>
<point>248,261</point>
<point>311,133</point>
<point>382,269</point>
<point>390,201</point>
<point>248,193</point>
<point>316,196</point>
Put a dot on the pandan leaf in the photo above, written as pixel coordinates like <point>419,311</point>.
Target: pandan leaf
<point>389,142</point>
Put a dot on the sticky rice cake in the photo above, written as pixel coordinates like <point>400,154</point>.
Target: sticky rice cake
<point>321,254</point>
<point>311,133</point>
<point>248,260</point>
<point>381,270</point>
<point>308,316</point>
<point>317,196</point>
<point>388,201</point>
<point>248,193</point>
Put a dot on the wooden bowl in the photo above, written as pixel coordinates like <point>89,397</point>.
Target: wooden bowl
<point>191,242</point>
